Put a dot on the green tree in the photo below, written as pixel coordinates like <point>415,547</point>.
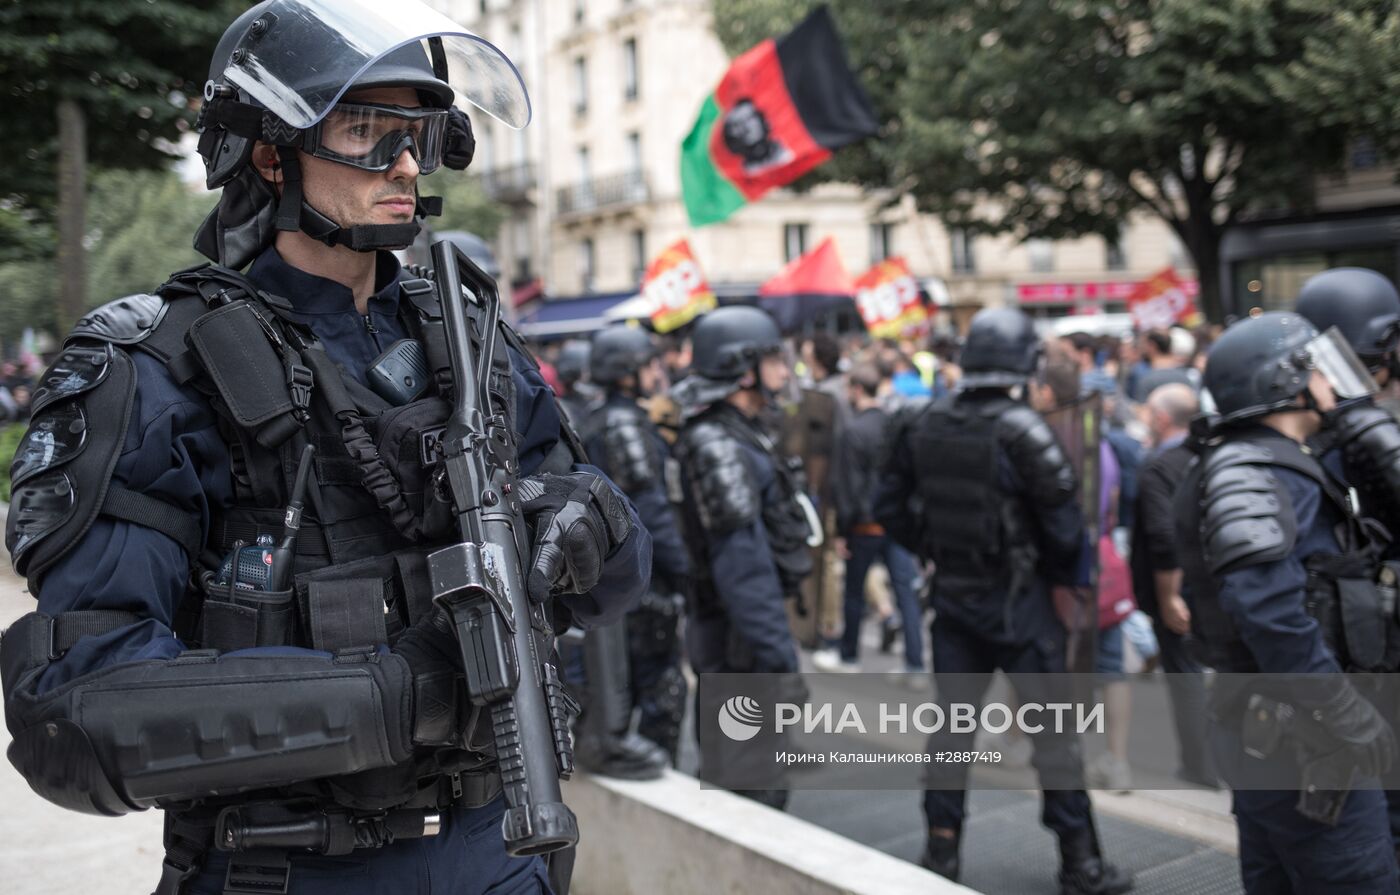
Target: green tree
<point>106,80</point>
<point>465,205</point>
<point>141,229</point>
<point>1058,119</point>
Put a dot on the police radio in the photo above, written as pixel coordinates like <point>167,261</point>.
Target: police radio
<point>266,565</point>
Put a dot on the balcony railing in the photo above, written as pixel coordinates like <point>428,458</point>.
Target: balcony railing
<point>511,183</point>
<point>603,192</point>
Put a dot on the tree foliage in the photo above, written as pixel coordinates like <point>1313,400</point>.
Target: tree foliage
<point>141,230</point>
<point>465,205</point>
<point>133,66</point>
<point>1058,118</point>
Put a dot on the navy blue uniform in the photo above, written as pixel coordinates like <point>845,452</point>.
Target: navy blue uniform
<point>987,619</point>
<point>174,451</point>
<point>1280,849</point>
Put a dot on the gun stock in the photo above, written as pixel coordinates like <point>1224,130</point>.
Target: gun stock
<point>480,581</point>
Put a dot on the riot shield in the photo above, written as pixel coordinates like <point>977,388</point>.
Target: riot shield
<point>1078,427</point>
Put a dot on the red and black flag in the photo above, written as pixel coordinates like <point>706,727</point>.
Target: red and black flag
<point>782,109</point>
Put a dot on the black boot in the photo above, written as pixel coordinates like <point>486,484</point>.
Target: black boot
<point>1083,871</point>
<point>629,756</point>
<point>941,856</point>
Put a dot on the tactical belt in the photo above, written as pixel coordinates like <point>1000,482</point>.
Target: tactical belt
<point>262,837</point>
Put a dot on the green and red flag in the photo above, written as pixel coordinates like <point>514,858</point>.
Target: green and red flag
<point>782,109</point>
<point>676,288</point>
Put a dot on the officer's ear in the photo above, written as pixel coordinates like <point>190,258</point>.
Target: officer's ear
<point>267,163</point>
<point>749,379</point>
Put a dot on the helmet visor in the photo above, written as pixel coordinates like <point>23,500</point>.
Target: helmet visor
<point>372,137</point>
<point>300,56</point>
<point>1332,356</point>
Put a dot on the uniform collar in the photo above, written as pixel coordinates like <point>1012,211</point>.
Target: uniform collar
<point>310,294</point>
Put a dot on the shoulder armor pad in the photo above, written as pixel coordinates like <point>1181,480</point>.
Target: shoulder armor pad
<point>1036,454</point>
<point>124,321</point>
<point>64,462</point>
<point>719,475</point>
<point>629,451</point>
<point>1247,517</point>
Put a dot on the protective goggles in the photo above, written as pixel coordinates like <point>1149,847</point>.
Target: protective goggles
<point>371,137</point>
<point>1331,355</point>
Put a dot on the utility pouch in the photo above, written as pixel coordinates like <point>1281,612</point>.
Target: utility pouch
<point>408,439</point>
<point>240,618</point>
<point>238,349</point>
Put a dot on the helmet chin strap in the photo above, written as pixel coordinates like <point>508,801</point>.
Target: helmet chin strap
<point>294,214</point>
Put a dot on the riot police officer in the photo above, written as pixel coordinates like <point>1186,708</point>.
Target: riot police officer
<point>156,671</point>
<point>626,365</point>
<point>1361,443</point>
<point>579,394</point>
<point>1270,548</point>
<point>743,508</point>
<point>978,483</point>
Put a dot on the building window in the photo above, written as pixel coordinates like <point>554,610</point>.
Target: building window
<point>964,258</point>
<point>580,85</point>
<point>586,262</point>
<point>578,12</point>
<point>629,68</point>
<point>639,255</point>
<point>481,6</point>
<point>1114,258</point>
<point>634,151</point>
<point>1042,255</point>
<point>881,241</point>
<point>794,241</point>
<point>585,167</point>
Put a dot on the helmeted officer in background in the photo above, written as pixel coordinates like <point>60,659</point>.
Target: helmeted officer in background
<point>978,483</point>
<point>1361,443</point>
<point>626,365</point>
<point>160,669</point>
<point>579,394</point>
<point>1273,560</point>
<point>743,510</point>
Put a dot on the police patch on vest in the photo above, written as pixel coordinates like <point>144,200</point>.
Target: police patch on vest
<point>430,445</point>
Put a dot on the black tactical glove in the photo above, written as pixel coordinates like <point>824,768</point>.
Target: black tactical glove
<point>460,144</point>
<point>435,660</point>
<point>1351,719</point>
<point>578,520</point>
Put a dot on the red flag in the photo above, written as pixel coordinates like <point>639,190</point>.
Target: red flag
<point>887,296</point>
<point>1161,300</point>
<point>808,287</point>
<point>676,288</point>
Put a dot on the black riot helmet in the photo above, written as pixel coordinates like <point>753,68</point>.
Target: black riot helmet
<point>1262,364</point>
<point>619,351</point>
<point>1361,303</point>
<point>1002,349</point>
<point>279,75</point>
<point>728,342</point>
<point>572,362</point>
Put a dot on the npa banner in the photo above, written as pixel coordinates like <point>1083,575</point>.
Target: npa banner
<point>888,298</point>
<point>1163,300</point>
<point>676,288</point>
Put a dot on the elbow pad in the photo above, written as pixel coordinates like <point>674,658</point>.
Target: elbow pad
<point>629,450</point>
<point>720,479</point>
<point>1036,454</point>
<point>164,731</point>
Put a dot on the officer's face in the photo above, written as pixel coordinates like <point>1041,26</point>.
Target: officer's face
<point>1322,392</point>
<point>774,373</point>
<point>351,196</point>
<point>651,378</point>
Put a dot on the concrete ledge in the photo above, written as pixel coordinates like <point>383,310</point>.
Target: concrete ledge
<point>671,836</point>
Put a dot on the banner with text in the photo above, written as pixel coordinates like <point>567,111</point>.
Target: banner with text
<point>1161,301</point>
<point>888,298</point>
<point>676,288</point>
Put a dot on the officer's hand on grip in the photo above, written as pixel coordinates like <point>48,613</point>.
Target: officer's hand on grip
<point>578,520</point>
<point>430,646</point>
<point>1351,718</point>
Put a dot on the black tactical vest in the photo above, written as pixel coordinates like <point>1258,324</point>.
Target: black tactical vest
<point>1233,512</point>
<point>977,535</point>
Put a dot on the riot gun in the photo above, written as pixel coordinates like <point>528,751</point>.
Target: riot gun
<point>480,582</point>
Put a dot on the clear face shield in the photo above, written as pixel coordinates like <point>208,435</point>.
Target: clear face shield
<point>305,54</point>
<point>1332,356</point>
